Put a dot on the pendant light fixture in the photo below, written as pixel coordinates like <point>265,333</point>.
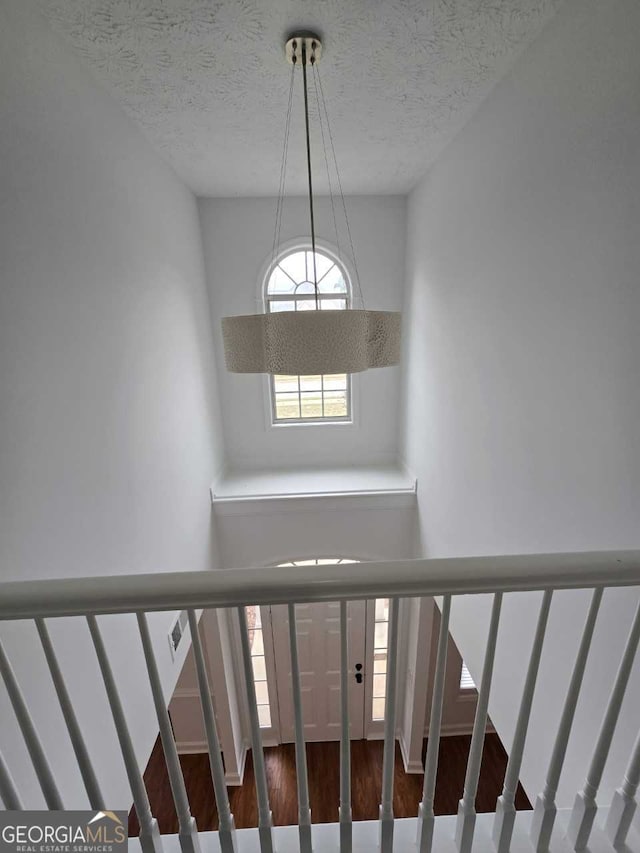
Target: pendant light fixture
<point>311,342</point>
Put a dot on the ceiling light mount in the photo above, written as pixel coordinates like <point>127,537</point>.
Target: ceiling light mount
<point>306,41</point>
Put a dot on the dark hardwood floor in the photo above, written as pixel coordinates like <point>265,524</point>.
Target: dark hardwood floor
<point>323,763</point>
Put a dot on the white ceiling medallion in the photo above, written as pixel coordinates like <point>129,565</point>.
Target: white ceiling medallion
<point>311,342</point>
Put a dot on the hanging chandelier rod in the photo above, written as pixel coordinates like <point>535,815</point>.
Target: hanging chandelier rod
<point>308,138</point>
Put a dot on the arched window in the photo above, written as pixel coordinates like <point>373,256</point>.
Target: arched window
<point>289,287</point>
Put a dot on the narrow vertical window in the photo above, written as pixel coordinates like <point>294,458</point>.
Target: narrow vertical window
<point>304,399</point>
<point>256,642</point>
<point>380,647</point>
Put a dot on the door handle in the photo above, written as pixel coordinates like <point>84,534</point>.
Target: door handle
<point>358,668</point>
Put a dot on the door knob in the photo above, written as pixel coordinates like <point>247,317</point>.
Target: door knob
<point>359,677</point>
<point>358,667</point>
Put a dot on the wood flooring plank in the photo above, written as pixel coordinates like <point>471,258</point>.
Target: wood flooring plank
<point>324,784</point>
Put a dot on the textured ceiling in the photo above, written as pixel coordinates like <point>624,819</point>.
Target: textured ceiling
<point>207,81</point>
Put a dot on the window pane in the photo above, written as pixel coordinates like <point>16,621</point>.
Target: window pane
<point>294,265</point>
<point>335,404</point>
<point>264,715</point>
<point>466,679</point>
<point>257,646</point>
<point>262,692</point>
<point>378,709</point>
<point>379,685</point>
<point>379,662</point>
<point>277,305</point>
<point>305,288</point>
<point>310,383</point>
<point>335,382</point>
<point>333,304</point>
<point>259,668</point>
<point>285,384</point>
<point>333,282</point>
<point>323,264</point>
<point>382,609</point>
<point>311,404</point>
<point>279,282</point>
<point>287,406</point>
<point>380,641</point>
<point>305,305</point>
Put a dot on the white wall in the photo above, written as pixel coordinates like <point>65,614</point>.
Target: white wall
<point>109,425</point>
<point>238,241</point>
<point>281,530</point>
<point>521,400</point>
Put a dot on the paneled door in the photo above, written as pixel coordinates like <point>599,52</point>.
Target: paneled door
<point>318,632</point>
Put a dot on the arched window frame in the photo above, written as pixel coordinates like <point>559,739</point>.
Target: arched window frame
<point>325,248</point>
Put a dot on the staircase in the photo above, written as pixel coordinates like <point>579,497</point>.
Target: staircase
<point>589,825</point>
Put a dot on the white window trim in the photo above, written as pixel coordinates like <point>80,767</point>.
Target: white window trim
<point>353,390</point>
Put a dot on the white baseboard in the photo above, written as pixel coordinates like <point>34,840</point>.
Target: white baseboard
<point>235,779</point>
<point>409,766</point>
<point>191,747</point>
<point>453,729</point>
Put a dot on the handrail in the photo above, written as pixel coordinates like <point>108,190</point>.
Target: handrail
<point>283,584</point>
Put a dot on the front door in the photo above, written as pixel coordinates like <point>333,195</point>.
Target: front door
<point>318,633</point>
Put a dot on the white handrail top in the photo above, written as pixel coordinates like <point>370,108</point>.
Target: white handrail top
<point>284,584</point>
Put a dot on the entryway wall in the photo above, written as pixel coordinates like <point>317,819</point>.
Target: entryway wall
<point>458,711</point>
<point>267,532</point>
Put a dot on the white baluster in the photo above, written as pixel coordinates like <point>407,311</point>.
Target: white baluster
<point>8,791</point>
<point>264,812</point>
<point>304,812</point>
<point>545,810</point>
<point>389,753</point>
<point>187,829</point>
<point>466,821</point>
<point>426,817</point>
<point>226,825</point>
<point>91,785</point>
<point>150,840</point>
<point>38,758</point>
<point>505,809</point>
<point>585,806</point>
<point>346,825</point>
<point>624,804</point>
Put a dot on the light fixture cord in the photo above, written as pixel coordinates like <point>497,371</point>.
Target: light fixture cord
<point>306,124</point>
<point>283,174</point>
<point>344,206</point>
<point>326,162</point>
